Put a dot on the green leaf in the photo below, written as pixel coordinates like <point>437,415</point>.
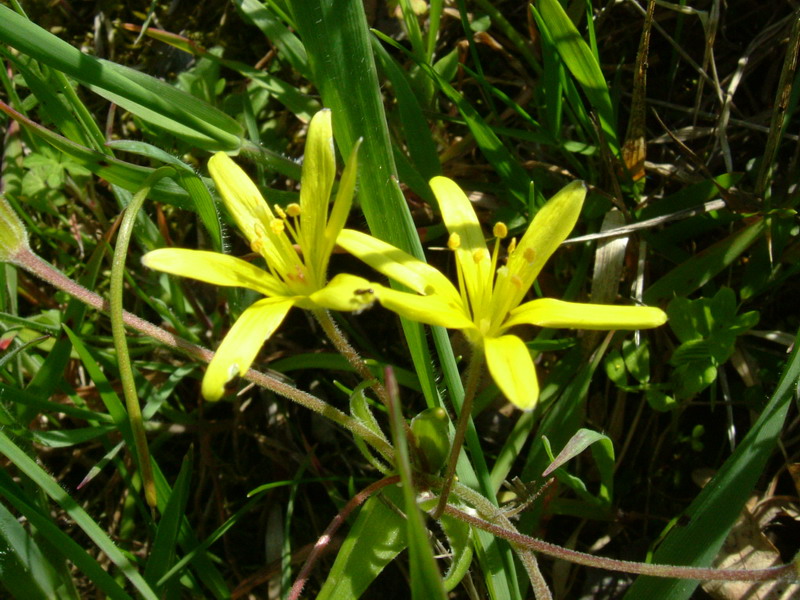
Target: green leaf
<point>162,554</point>
<point>376,538</point>
<point>703,266</point>
<point>583,65</point>
<point>25,571</point>
<point>708,520</point>
<point>94,532</point>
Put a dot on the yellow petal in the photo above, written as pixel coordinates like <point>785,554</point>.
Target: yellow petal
<point>473,256</point>
<point>343,202</point>
<point>214,268</point>
<point>397,265</point>
<point>547,312</point>
<point>511,367</point>
<point>252,214</point>
<point>241,345</point>
<point>551,226</point>
<point>432,310</point>
<point>345,293</point>
<point>316,183</point>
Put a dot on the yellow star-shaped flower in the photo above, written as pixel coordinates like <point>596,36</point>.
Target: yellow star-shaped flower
<point>292,278</point>
<point>488,300</point>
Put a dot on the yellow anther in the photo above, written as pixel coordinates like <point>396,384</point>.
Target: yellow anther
<point>512,246</point>
<point>479,255</point>
<point>529,255</point>
<point>279,211</point>
<point>500,230</point>
<point>293,210</point>
<point>454,241</point>
<point>257,245</point>
<point>277,226</point>
<point>516,281</point>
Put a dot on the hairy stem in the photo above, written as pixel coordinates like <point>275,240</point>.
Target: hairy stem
<point>473,378</point>
<point>35,265</point>
<point>118,333</point>
<point>787,571</point>
<point>351,354</point>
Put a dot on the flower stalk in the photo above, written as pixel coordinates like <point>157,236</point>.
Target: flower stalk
<point>35,265</point>
<point>119,336</point>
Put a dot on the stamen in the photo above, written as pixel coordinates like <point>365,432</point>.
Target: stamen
<point>512,246</point>
<point>277,226</point>
<point>479,255</point>
<point>516,281</point>
<point>500,230</point>
<point>293,210</point>
<point>454,241</point>
<point>529,255</point>
<point>279,211</point>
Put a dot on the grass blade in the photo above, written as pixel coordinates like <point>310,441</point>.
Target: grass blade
<point>714,511</point>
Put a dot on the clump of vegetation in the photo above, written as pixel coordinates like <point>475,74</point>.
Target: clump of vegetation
<point>543,255</point>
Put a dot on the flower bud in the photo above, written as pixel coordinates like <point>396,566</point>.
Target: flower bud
<point>431,439</point>
<point>13,235</point>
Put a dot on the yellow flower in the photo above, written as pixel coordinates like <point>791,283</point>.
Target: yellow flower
<point>488,300</point>
<point>292,278</point>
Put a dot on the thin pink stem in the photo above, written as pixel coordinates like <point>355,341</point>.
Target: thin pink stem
<point>330,531</point>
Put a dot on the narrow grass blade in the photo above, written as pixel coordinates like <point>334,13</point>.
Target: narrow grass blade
<point>301,105</point>
<point>162,554</point>
<point>289,47</point>
<point>712,514</point>
<point>95,533</point>
<point>698,270</point>
<point>426,581</point>
<point>153,100</point>
<point>117,172</point>
<point>25,571</point>
<point>583,65</point>
<point>513,175</point>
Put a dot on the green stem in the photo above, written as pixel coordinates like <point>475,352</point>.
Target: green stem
<point>464,417</point>
<point>118,333</point>
<point>351,354</point>
<point>35,265</point>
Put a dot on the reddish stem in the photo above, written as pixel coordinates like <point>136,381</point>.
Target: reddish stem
<point>322,542</point>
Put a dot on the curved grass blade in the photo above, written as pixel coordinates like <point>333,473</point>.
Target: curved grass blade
<point>700,268</point>
<point>513,175</point>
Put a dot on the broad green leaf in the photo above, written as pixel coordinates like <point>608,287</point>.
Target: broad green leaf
<point>25,570</point>
<point>375,539</point>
